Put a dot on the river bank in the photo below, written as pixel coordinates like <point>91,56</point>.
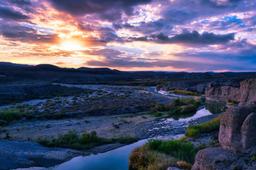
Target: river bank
<point>120,153</point>
<point>140,125</point>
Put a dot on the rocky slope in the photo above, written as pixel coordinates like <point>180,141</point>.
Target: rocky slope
<point>237,140</point>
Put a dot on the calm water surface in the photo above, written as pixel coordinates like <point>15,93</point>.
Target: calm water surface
<point>118,159</point>
<point>113,160</point>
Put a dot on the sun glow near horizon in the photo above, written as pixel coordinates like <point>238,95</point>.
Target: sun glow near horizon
<point>71,45</point>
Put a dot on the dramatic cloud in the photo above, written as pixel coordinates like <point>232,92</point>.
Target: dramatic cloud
<point>221,3</point>
<point>191,38</point>
<point>171,35</point>
<point>108,9</point>
<point>8,13</point>
<point>25,34</point>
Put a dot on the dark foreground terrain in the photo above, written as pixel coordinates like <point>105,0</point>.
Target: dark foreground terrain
<point>49,115</point>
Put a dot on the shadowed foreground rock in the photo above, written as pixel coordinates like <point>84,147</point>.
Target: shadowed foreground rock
<point>20,154</point>
<point>237,142</point>
<point>213,158</point>
<point>235,128</point>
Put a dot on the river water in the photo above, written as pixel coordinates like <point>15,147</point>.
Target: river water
<point>118,159</point>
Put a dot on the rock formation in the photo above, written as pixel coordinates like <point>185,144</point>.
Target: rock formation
<point>234,128</point>
<point>243,92</point>
<point>237,142</point>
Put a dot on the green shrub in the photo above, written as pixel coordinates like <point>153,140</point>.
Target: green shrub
<point>85,141</point>
<point>183,107</point>
<point>88,138</point>
<point>11,114</point>
<point>215,106</point>
<point>157,114</point>
<point>160,108</point>
<point>253,157</point>
<point>145,159</point>
<point>207,127</point>
<point>178,149</point>
<point>185,92</point>
<point>125,140</point>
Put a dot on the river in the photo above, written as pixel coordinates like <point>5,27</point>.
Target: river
<point>118,159</point>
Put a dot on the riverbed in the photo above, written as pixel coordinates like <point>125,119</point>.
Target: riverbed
<point>143,126</point>
<point>118,159</point>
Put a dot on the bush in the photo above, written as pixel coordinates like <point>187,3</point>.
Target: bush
<point>145,159</point>
<point>185,92</point>
<point>207,127</point>
<point>85,141</point>
<point>160,108</point>
<point>157,114</point>
<point>215,106</point>
<point>125,140</point>
<point>179,149</point>
<point>183,107</point>
<point>11,114</point>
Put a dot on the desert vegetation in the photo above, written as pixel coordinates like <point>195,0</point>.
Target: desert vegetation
<point>207,127</point>
<point>183,107</point>
<point>158,155</point>
<point>84,141</point>
<point>13,114</point>
<point>184,92</point>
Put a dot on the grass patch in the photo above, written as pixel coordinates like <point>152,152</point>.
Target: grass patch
<point>253,158</point>
<point>185,92</point>
<point>12,114</point>
<point>207,127</point>
<point>84,141</point>
<point>215,106</point>
<point>179,108</point>
<point>181,150</point>
<point>159,155</point>
<point>184,107</point>
<point>145,159</point>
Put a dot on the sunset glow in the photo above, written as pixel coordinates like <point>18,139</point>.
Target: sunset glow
<point>176,35</point>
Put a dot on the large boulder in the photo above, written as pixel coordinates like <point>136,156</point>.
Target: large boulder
<point>248,129</point>
<point>215,158</point>
<point>237,140</point>
<point>234,128</point>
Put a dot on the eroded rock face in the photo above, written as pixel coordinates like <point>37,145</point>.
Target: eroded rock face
<point>237,142</point>
<point>248,129</point>
<point>230,136</point>
<point>248,91</point>
<point>243,92</point>
<point>214,159</point>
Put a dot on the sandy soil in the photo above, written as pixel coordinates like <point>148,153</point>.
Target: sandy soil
<point>105,126</point>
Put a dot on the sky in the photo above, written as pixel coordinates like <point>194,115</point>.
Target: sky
<point>142,35</point>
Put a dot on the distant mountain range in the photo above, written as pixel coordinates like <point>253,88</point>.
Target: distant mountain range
<point>11,72</point>
<point>48,67</point>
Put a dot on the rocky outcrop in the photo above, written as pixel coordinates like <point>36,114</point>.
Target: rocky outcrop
<point>234,128</point>
<point>213,159</point>
<point>242,92</point>
<point>248,91</point>
<point>248,130</point>
<point>237,142</point>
